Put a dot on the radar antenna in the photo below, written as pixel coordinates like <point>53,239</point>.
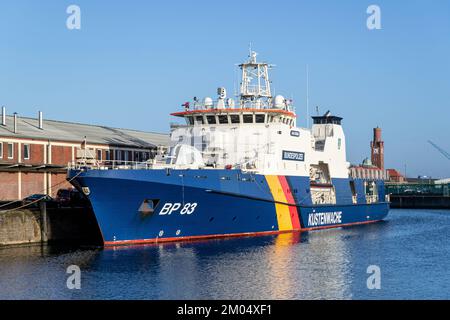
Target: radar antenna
<point>255,83</point>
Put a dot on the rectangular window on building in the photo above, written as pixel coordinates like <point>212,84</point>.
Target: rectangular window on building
<point>26,152</point>
<point>10,150</point>
<point>99,155</point>
<point>107,155</point>
<point>1,150</point>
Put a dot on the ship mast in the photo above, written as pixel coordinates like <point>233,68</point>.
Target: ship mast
<point>255,84</point>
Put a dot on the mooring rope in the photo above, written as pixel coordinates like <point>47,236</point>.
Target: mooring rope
<point>35,201</point>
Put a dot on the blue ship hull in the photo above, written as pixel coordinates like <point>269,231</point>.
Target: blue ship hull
<point>138,206</point>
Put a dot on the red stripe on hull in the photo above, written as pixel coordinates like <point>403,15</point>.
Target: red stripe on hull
<point>290,199</point>
<point>218,236</point>
<point>193,238</point>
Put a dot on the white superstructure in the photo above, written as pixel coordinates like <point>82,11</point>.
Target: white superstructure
<point>257,133</point>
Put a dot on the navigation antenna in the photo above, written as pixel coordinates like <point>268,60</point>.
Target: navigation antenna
<point>255,84</point>
<point>307,96</point>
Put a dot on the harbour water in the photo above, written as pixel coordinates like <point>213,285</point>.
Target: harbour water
<point>411,248</point>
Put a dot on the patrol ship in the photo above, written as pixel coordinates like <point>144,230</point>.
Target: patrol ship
<point>237,167</point>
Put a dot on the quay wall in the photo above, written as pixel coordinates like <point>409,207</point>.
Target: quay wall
<point>20,227</point>
<point>27,226</point>
<point>420,202</point>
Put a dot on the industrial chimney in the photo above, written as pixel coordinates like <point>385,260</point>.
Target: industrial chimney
<point>15,122</point>
<point>40,120</point>
<point>3,116</point>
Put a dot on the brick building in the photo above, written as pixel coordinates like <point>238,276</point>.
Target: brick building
<point>395,176</point>
<point>377,149</point>
<point>35,153</point>
<point>372,168</point>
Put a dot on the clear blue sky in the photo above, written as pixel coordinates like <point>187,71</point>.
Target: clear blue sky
<point>134,62</point>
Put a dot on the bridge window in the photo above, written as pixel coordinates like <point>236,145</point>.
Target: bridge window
<point>223,119</point>
<point>190,120</point>
<point>211,119</point>
<point>259,118</point>
<point>235,118</point>
<point>248,118</point>
<point>199,119</point>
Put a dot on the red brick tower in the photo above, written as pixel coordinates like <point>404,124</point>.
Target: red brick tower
<point>377,146</point>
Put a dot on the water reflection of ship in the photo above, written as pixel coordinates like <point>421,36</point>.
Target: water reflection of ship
<point>293,271</point>
<point>281,283</point>
<point>272,267</point>
<point>181,268</point>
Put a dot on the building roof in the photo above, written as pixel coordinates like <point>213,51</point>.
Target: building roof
<point>53,130</point>
<point>394,173</point>
<point>366,167</point>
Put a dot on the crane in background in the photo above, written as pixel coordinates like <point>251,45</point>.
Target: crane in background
<point>442,151</point>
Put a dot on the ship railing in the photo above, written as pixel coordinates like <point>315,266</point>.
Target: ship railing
<point>115,165</point>
<point>224,104</point>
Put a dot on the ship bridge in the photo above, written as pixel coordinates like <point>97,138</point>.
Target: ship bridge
<point>255,103</point>
<point>246,131</point>
<point>237,116</point>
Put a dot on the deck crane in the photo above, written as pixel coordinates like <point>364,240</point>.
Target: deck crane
<point>442,151</point>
